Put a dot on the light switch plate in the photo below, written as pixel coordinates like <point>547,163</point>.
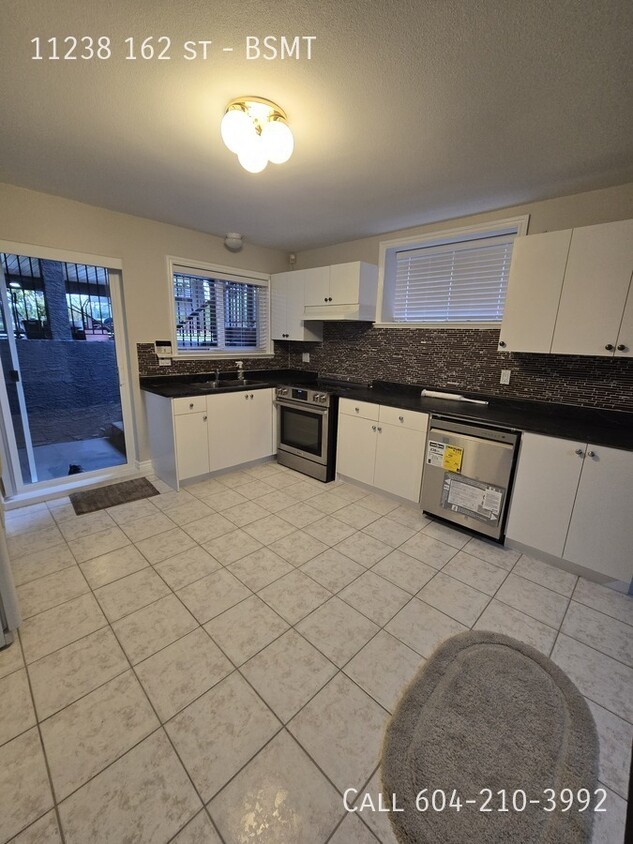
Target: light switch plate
<point>505,376</point>
<point>305,357</point>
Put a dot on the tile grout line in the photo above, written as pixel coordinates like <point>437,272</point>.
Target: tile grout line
<point>161,726</point>
<point>44,754</point>
<point>293,627</point>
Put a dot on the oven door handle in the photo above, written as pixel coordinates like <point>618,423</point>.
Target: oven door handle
<point>320,411</point>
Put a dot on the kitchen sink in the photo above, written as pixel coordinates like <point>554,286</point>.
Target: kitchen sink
<point>226,384</point>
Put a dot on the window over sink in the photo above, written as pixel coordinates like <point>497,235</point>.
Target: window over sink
<point>218,313</point>
<point>455,278</point>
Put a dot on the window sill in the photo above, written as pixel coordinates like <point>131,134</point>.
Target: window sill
<point>456,325</point>
<point>237,355</point>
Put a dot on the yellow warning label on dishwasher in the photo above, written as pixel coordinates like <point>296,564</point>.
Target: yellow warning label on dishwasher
<point>447,457</point>
<point>453,456</point>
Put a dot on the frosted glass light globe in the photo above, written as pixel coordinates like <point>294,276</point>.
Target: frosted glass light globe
<point>278,141</point>
<point>236,127</point>
<point>252,155</point>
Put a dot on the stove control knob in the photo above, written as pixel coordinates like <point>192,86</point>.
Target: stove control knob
<point>316,397</point>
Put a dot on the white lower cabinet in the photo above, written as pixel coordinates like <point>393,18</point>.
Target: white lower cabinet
<point>572,500</point>
<point>382,446</point>
<point>240,428</point>
<point>193,436</point>
<point>192,445</point>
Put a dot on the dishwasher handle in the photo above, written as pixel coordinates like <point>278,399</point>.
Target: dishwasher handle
<point>449,426</point>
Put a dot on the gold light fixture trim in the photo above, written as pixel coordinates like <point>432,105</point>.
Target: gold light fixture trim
<point>257,131</point>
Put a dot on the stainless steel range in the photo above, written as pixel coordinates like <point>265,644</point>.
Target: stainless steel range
<point>306,431</point>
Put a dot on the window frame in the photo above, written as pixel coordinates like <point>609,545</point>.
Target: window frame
<point>223,273</point>
<point>440,237</point>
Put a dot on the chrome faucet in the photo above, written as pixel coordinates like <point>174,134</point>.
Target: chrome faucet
<point>240,369</point>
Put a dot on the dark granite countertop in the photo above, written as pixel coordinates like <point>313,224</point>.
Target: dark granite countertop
<point>585,424</point>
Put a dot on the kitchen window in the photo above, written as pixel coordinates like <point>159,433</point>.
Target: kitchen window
<point>217,313</point>
<point>454,278</point>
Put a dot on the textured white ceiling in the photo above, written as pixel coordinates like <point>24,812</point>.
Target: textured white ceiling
<point>407,112</point>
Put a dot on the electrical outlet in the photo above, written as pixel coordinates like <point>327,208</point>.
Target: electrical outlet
<point>505,376</point>
<point>164,361</point>
<point>305,357</point>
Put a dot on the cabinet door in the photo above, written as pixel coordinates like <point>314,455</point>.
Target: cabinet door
<point>229,429</point>
<point>260,409</point>
<point>601,530</point>
<point>624,345</point>
<point>192,449</point>
<point>534,289</point>
<point>279,285</point>
<point>345,283</point>
<point>317,285</point>
<point>399,461</point>
<point>356,449</point>
<point>545,485</point>
<point>296,327</point>
<point>595,289</point>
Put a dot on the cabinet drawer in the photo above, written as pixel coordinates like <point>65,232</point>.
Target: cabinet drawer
<point>190,404</point>
<point>363,409</point>
<point>403,418</point>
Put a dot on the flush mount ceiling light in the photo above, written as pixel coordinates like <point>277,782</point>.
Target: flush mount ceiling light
<point>257,131</point>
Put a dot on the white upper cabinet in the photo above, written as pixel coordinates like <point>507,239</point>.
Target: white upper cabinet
<point>288,302</point>
<point>535,284</point>
<point>317,284</point>
<point>597,281</point>
<point>349,293</point>
<point>567,292</point>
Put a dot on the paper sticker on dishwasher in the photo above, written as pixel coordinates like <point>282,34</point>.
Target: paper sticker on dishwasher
<point>472,498</point>
<point>444,456</point>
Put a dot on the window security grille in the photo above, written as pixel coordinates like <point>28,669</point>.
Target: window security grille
<point>88,297</point>
<point>219,314</point>
<point>453,282</point>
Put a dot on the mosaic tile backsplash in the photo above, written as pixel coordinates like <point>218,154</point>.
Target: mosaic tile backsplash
<point>462,360</point>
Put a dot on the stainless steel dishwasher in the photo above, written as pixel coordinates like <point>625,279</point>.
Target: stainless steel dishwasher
<point>468,471</point>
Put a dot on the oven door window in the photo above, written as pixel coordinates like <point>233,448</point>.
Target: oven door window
<point>302,430</point>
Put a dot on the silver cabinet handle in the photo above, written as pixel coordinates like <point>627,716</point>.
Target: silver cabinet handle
<point>401,418</point>
<point>609,347</point>
<point>373,427</point>
<point>357,409</point>
<point>204,418</point>
<point>380,430</point>
<point>580,452</point>
<point>591,454</point>
<point>252,396</point>
<point>190,405</point>
<point>621,347</point>
<point>246,396</point>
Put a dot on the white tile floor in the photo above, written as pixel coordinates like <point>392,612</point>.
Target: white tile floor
<point>219,664</point>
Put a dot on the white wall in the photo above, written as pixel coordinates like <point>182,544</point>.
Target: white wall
<point>581,209</point>
<point>30,217</point>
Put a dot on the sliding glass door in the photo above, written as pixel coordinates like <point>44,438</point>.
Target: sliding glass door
<point>64,395</point>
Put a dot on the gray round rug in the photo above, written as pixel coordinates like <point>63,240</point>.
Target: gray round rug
<point>490,720</point>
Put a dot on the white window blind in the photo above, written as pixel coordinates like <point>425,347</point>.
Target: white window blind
<point>220,314</point>
<point>452,282</point>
